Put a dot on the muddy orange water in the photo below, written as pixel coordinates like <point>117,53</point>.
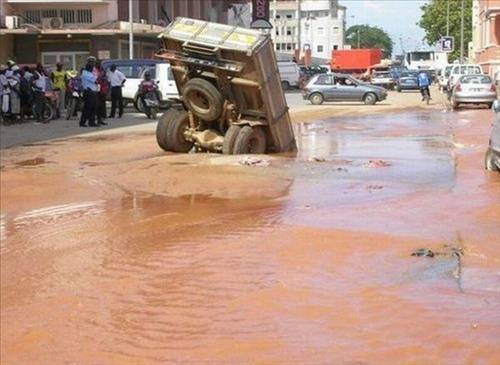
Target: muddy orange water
<point>113,252</point>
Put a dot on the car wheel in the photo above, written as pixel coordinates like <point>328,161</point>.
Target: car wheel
<point>250,140</point>
<point>490,105</point>
<point>489,161</point>
<point>285,85</point>
<point>370,99</point>
<point>203,99</point>
<point>316,99</point>
<point>230,139</point>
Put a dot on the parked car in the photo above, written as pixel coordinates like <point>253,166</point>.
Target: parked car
<point>132,70</point>
<point>407,81</point>
<point>444,76</point>
<point>492,158</point>
<point>341,87</point>
<point>167,90</point>
<point>289,74</point>
<point>458,70</point>
<point>383,79</point>
<point>474,89</point>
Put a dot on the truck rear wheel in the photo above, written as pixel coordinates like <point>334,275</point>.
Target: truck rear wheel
<point>176,140</point>
<point>250,140</point>
<point>203,99</point>
<point>489,161</point>
<point>230,139</point>
<point>162,128</point>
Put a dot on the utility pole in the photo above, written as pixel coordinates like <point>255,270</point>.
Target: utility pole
<point>462,33</point>
<point>130,31</point>
<point>358,37</point>
<point>447,18</point>
<point>299,27</point>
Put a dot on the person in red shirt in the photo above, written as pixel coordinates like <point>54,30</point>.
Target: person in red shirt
<point>102,92</point>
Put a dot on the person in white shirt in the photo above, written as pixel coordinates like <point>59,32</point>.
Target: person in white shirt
<point>39,84</point>
<point>117,80</point>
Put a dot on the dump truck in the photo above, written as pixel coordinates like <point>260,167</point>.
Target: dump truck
<point>230,91</point>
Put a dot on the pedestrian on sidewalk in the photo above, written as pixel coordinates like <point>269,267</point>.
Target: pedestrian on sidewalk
<point>117,79</point>
<point>39,83</point>
<point>102,92</point>
<point>89,85</point>
<point>59,80</point>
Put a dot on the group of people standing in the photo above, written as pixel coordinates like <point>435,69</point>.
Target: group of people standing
<point>20,89</point>
<point>96,84</point>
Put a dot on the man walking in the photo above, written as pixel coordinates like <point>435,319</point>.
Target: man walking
<point>423,84</point>
<point>89,87</point>
<point>59,79</point>
<point>117,80</point>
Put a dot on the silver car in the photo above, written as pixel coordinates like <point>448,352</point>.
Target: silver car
<point>383,79</point>
<point>474,89</point>
<point>492,160</point>
<point>341,87</point>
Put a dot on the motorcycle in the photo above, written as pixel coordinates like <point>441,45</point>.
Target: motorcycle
<point>148,99</point>
<point>75,101</point>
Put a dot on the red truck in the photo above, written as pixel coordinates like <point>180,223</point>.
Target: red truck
<point>355,61</point>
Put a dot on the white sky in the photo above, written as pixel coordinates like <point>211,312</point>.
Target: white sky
<point>396,17</point>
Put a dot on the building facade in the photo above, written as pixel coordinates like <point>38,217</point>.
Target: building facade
<point>486,35</point>
<point>317,26</point>
<point>69,31</point>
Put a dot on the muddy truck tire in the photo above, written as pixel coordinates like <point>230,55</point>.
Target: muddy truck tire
<point>489,161</point>
<point>203,99</point>
<point>230,139</point>
<point>250,140</point>
<point>175,133</point>
<point>162,128</point>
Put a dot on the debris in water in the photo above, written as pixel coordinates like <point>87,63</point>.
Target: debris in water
<point>377,163</point>
<point>374,187</point>
<point>317,159</point>
<point>341,169</point>
<point>423,252</point>
<point>253,161</point>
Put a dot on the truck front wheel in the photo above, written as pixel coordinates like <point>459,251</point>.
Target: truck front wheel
<point>250,140</point>
<point>176,140</point>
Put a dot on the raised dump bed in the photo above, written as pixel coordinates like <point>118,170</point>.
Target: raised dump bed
<point>229,84</point>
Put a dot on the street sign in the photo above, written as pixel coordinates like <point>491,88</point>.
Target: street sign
<point>447,44</point>
<point>260,14</point>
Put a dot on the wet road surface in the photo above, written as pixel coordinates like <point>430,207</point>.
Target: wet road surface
<point>113,252</point>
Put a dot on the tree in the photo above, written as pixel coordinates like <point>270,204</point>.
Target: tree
<point>369,37</point>
<point>433,21</point>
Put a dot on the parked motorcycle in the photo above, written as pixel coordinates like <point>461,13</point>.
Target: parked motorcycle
<point>75,102</point>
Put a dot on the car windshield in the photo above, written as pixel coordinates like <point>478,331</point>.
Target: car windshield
<point>475,79</point>
<point>409,74</point>
<point>381,74</point>
<point>447,70</point>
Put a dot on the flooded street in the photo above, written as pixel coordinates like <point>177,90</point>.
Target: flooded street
<point>113,252</point>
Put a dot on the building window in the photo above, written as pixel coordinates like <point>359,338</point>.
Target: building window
<point>277,31</point>
<point>288,46</point>
<point>288,31</point>
<point>320,48</point>
<point>278,46</point>
<point>84,16</point>
<point>289,16</point>
<point>320,30</point>
<point>49,13</point>
<point>277,16</point>
<point>32,16</point>
<point>68,16</point>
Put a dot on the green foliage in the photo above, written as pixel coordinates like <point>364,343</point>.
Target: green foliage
<point>433,21</point>
<point>369,37</point>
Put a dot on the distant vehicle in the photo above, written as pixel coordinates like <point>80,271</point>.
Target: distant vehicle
<point>407,81</point>
<point>474,89</point>
<point>132,70</point>
<point>289,73</point>
<point>443,77</point>
<point>355,61</point>
<point>426,60</point>
<point>492,158</point>
<point>396,71</point>
<point>458,70</point>
<point>341,87</point>
<point>306,72</point>
<point>383,79</point>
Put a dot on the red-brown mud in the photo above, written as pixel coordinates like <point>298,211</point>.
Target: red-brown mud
<point>113,252</point>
